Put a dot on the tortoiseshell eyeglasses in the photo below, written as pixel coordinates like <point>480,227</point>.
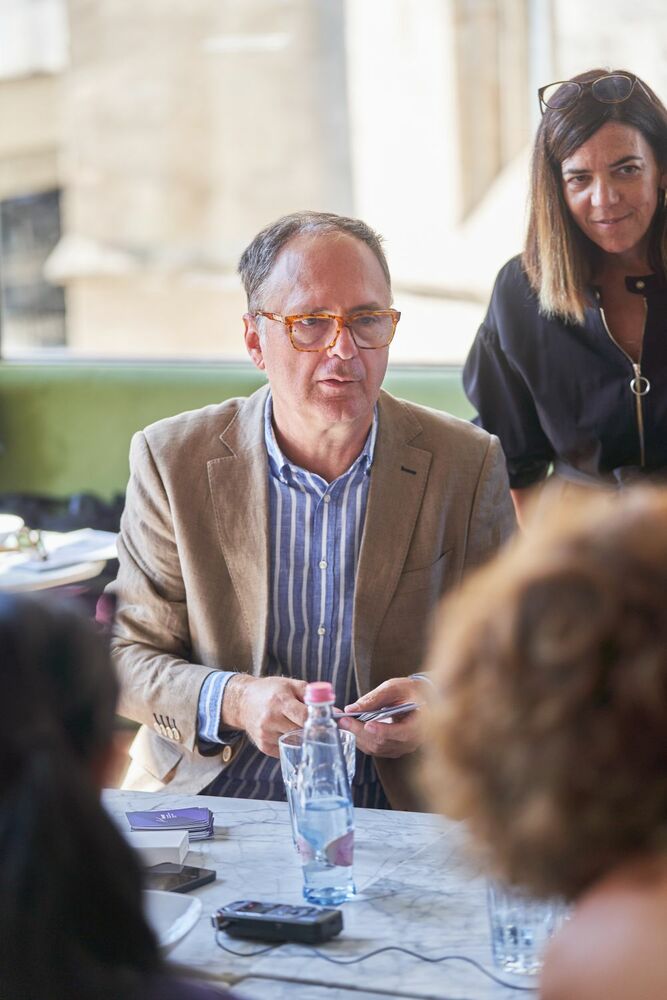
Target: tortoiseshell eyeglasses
<point>370,329</point>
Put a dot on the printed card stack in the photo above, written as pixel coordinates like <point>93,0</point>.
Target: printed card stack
<point>197,821</point>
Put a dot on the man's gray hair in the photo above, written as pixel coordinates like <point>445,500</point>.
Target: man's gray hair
<point>259,257</point>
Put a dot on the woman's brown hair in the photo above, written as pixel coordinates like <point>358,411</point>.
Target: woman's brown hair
<point>550,737</point>
<point>558,259</point>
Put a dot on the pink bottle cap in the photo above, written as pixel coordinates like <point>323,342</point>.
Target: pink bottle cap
<point>319,692</point>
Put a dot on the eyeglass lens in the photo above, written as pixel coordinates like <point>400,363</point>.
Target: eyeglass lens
<point>561,95</point>
<point>612,89</point>
<point>317,332</point>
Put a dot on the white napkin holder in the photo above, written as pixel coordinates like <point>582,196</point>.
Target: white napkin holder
<point>157,846</point>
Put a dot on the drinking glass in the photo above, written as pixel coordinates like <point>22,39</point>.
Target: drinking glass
<point>290,746</point>
<point>521,927</point>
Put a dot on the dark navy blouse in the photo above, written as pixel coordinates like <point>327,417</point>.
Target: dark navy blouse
<point>566,394</point>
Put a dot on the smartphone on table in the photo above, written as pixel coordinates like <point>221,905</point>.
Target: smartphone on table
<point>176,878</point>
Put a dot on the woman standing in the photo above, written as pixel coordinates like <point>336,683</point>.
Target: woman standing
<point>569,367</point>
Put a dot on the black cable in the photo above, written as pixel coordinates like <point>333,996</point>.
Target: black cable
<point>246,954</point>
<point>423,958</point>
<point>379,951</point>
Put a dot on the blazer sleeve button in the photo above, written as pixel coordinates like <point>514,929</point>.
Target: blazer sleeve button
<point>227,754</point>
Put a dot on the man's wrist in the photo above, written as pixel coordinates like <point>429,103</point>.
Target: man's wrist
<point>231,715</point>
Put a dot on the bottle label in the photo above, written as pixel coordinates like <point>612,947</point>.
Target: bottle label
<point>338,852</point>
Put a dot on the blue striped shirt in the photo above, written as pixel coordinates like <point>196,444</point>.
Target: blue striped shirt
<point>315,531</point>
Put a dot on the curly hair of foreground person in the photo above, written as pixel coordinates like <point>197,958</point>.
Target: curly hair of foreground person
<point>550,736</point>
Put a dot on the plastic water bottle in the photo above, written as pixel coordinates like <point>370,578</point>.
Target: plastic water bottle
<point>324,810</point>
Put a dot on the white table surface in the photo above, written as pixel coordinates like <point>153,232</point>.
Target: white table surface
<point>17,576</point>
<point>16,579</point>
<point>414,888</point>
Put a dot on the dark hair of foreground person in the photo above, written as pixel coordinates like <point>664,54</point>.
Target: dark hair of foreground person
<point>71,921</point>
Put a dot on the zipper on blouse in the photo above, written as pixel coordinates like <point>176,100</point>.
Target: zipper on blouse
<point>639,384</point>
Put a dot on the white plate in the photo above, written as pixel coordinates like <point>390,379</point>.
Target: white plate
<point>9,525</point>
<point>172,915</point>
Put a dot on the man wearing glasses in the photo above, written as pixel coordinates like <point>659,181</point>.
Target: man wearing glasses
<point>304,533</point>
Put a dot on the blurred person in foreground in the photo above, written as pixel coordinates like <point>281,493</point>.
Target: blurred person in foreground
<point>569,367</point>
<point>71,921</point>
<point>303,533</point>
<point>550,738</point>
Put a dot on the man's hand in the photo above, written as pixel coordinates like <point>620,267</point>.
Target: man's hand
<point>389,739</point>
<point>265,707</point>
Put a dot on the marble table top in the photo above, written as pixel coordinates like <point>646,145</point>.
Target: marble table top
<point>415,889</point>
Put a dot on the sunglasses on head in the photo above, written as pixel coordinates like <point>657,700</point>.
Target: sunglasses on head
<point>613,88</point>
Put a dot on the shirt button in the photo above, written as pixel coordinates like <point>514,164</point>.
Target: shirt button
<point>326,498</point>
<point>640,284</point>
<point>323,564</point>
<point>321,630</point>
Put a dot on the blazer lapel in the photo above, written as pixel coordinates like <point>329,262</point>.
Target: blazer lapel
<point>398,480</point>
<point>239,493</point>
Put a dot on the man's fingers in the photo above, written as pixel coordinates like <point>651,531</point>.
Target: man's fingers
<point>296,712</point>
<point>269,730</point>
<point>390,692</point>
<point>352,726</point>
<point>366,739</point>
<point>377,747</point>
<point>382,739</point>
<point>272,706</point>
<point>292,704</point>
<point>373,699</point>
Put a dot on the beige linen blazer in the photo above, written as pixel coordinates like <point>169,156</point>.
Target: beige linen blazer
<point>192,587</point>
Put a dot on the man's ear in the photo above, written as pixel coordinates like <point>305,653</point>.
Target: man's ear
<point>253,341</point>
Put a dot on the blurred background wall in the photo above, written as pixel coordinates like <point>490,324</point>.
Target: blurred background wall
<point>144,142</point>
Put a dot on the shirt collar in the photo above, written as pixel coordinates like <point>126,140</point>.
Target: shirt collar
<point>640,284</point>
<point>282,469</point>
